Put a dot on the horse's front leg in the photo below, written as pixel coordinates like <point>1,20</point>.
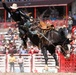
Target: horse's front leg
<point>44,51</point>
<point>56,60</point>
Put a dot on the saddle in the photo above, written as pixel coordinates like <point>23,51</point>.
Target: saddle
<point>44,26</point>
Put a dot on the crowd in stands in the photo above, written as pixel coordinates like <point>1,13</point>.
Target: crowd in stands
<point>8,42</point>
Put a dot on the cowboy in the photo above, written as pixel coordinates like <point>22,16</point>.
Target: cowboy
<point>15,13</point>
<point>20,18</point>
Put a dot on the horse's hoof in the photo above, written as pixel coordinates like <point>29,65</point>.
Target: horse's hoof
<point>68,55</point>
<point>57,67</point>
<point>46,65</point>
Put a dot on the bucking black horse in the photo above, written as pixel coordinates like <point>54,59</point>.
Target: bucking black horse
<point>47,41</point>
<point>50,40</point>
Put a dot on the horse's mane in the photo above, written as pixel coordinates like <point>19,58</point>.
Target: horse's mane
<point>53,35</point>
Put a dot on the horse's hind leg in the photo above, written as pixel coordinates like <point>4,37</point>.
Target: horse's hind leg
<point>56,60</point>
<point>24,41</point>
<point>44,51</point>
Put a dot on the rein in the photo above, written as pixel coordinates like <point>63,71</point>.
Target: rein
<point>45,37</point>
<point>62,46</point>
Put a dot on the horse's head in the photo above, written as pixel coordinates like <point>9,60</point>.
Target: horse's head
<point>66,50</point>
<point>55,38</point>
<point>65,43</point>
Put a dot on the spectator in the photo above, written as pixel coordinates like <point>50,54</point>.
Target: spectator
<point>3,49</point>
<point>9,32</point>
<point>15,37</point>
<point>11,37</point>
<point>36,50</point>
<point>10,47</point>
<point>33,50</point>
<point>70,23</point>
<point>20,47</point>
<point>53,18</point>
<point>1,43</point>
<point>23,50</point>
<point>4,41</point>
<point>65,30</point>
<point>15,30</point>
<point>74,19</point>
<point>1,36</point>
<point>74,16</point>
<point>12,61</point>
<point>20,62</point>
<point>14,49</point>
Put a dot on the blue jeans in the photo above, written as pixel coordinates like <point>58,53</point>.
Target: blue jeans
<point>21,67</point>
<point>12,66</point>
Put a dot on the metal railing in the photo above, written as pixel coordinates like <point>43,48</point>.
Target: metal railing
<point>31,62</point>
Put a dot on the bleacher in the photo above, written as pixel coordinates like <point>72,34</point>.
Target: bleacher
<point>7,37</point>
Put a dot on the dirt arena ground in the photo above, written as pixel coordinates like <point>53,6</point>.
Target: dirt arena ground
<point>37,74</point>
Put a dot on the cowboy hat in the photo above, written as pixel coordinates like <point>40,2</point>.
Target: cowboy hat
<point>14,6</point>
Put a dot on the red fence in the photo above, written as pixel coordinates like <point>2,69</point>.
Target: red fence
<point>67,64</point>
<point>55,23</point>
<point>7,24</point>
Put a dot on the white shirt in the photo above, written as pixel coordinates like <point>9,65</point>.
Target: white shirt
<point>20,60</point>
